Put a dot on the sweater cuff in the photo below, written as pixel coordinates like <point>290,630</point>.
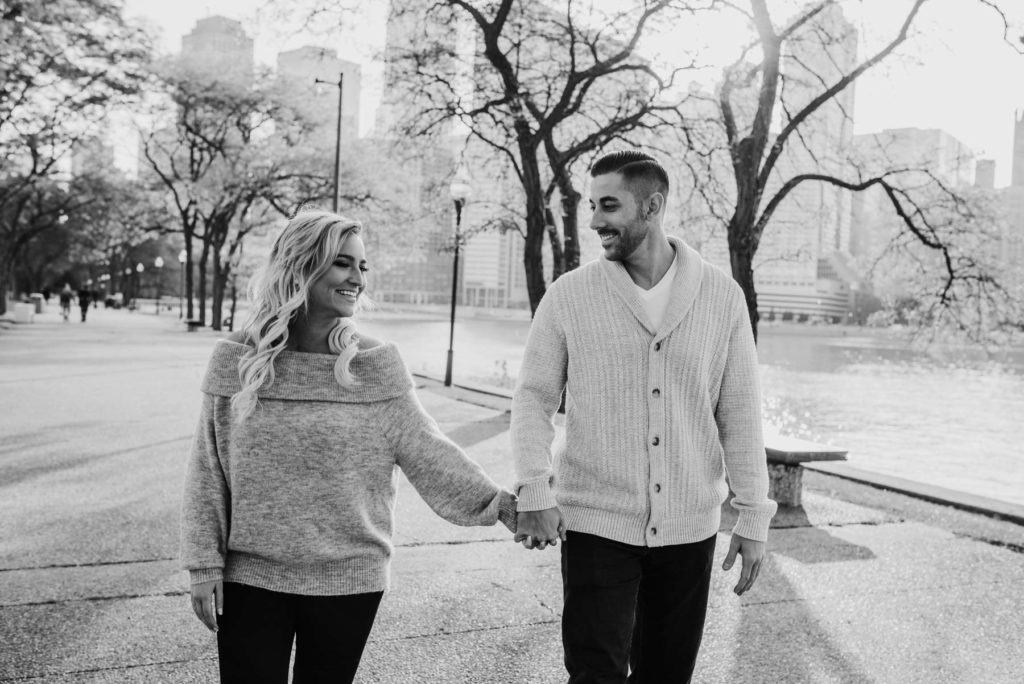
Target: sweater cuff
<point>753,524</point>
<point>205,575</point>
<point>536,496</point>
<point>507,511</point>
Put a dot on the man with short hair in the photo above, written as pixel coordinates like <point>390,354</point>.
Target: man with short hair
<point>654,350</point>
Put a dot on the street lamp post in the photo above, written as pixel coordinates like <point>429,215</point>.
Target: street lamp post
<point>459,191</point>
<point>127,287</point>
<point>158,264</point>
<point>337,143</point>
<point>181,285</point>
<point>139,268</point>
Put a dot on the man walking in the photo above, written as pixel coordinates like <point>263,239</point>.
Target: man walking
<point>654,350</point>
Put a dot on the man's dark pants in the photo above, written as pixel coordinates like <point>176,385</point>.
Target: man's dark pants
<point>633,608</point>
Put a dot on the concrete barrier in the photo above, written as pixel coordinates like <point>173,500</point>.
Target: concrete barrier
<point>24,313</point>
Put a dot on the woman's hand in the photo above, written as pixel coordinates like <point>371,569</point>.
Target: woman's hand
<point>208,602</point>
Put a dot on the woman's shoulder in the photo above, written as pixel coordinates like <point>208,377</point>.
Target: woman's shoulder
<point>237,336</point>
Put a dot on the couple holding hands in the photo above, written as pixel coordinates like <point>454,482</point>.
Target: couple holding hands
<point>290,489</point>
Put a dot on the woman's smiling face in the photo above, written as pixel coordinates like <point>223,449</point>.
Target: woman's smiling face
<point>336,292</point>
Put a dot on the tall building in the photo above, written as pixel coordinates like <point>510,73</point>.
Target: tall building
<point>94,154</point>
<point>985,174</point>
<point>1017,170</point>
<point>301,69</point>
<point>926,154</point>
<point>219,45</point>
<point>1012,201</point>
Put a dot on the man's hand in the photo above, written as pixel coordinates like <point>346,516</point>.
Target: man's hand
<point>539,529</point>
<point>208,597</point>
<point>753,554</point>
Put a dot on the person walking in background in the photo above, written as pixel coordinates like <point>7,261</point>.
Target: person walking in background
<point>84,298</point>
<point>290,488</point>
<point>654,351</point>
<point>66,295</point>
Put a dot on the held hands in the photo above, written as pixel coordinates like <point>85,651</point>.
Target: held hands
<point>208,602</point>
<point>753,555</point>
<point>540,529</point>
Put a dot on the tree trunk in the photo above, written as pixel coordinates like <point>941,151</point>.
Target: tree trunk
<point>5,280</point>
<point>189,281</point>
<point>204,259</point>
<point>217,302</point>
<point>570,221</point>
<point>741,259</point>
<point>557,253</point>
<point>533,252</point>
<point>234,302</point>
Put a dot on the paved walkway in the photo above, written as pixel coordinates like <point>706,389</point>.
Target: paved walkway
<point>862,585</point>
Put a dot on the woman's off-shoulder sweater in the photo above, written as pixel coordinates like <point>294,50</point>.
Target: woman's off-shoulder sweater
<point>300,496</point>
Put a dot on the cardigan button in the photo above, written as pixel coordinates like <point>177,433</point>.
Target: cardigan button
<point>654,531</point>
<point>655,441</point>
<point>657,346</point>
<point>657,488</point>
<point>656,392</point>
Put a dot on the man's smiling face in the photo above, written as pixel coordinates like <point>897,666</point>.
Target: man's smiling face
<point>616,218</point>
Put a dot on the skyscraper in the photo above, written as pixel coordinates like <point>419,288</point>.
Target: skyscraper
<point>219,45</point>
<point>1017,170</point>
<point>985,174</point>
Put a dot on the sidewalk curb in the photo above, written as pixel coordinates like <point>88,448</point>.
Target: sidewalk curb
<point>992,508</point>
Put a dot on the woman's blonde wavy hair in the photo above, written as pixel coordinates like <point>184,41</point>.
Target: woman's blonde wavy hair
<point>304,251</point>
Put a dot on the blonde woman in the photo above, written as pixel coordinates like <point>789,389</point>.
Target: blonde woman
<point>290,491</point>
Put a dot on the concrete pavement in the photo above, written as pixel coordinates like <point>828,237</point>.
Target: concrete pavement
<point>862,584</point>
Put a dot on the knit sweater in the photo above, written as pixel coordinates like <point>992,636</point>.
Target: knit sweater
<point>655,419</point>
<point>299,498</point>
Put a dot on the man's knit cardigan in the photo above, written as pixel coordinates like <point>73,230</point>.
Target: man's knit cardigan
<point>655,419</point>
<point>299,497</point>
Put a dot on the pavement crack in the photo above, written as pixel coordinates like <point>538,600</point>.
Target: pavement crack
<point>93,670</point>
<point>91,599</point>
<point>459,632</point>
<point>99,564</point>
<point>998,543</point>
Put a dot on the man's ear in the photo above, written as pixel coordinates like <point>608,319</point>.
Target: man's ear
<point>653,205</point>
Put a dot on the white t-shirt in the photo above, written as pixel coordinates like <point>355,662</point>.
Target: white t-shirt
<point>656,299</point>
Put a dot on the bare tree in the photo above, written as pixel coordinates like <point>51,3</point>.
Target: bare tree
<point>772,103</point>
<point>541,88</point>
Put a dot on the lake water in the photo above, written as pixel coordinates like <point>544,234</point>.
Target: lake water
<point>950,419</point>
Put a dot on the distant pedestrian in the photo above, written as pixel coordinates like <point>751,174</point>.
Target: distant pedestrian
<point>84,298</point>
<point>653,350</point>
<point>290,490</point>
<point>46,295</point>
<point>66,295</point>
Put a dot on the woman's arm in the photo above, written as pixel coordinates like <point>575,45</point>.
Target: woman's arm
<point>205,504</point>
<point>453,485</point>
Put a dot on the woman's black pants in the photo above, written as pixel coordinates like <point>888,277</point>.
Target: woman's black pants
<point>633,611</point>
<point>255,634</point>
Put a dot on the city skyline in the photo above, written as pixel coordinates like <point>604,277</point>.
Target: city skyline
<point>954,60</point>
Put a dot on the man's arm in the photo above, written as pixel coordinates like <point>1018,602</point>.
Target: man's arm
<point>738,416</point>
<point>538,393</point>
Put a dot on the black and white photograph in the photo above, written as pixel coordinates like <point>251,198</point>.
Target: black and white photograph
<point>512,341</point>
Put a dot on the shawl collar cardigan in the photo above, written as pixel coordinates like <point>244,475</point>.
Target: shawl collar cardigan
<point>654,418</point>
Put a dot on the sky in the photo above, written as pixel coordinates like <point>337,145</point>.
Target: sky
<point>954,72</point>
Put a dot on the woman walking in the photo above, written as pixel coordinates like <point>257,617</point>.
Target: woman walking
<point>290,491</point>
